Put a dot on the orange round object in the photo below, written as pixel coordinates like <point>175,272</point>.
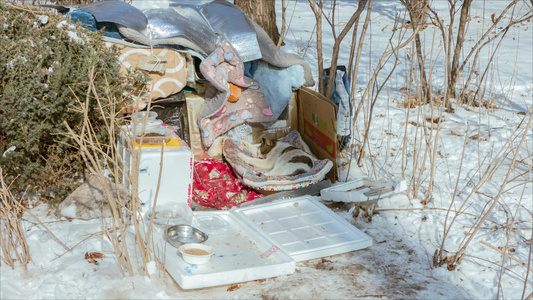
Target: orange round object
<point>234,93</point>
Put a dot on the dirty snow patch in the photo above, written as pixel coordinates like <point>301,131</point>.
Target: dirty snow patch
<point>151,267</point>
<point>69,211</point>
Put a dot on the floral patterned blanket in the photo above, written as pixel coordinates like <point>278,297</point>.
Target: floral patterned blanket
<point>216,186</point>
<point>231,98</point>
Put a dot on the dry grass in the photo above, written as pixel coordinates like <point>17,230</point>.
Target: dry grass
<point>12,239</point>
<point>101,158</point>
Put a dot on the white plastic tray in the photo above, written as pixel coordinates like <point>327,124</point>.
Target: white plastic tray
<point>265,240</point>
<point>241,254</point>
<point>304,228</point>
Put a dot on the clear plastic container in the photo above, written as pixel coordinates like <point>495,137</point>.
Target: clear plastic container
<point>154,133</point>
<point>171,215</point>
<point>152,115</point>
<point>211,223</point>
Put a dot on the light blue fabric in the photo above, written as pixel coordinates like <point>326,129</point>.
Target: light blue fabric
<point>277,83</point>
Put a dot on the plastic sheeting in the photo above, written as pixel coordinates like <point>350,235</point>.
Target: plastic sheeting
<point>228,20</point>
<point>145,4</point>
<point>117,12</point>
<point>185,21</point>
<point>205,25</point>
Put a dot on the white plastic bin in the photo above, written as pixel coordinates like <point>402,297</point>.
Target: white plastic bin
<point>176,176</point>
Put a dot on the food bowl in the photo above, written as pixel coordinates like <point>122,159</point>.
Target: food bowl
<point>178,235</point>
<point>195,253</point>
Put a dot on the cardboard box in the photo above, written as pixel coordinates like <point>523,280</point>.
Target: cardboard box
<point>195,103</point>
<point>317,124</point>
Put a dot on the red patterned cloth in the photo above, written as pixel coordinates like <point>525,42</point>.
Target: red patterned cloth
<point>215,185</point>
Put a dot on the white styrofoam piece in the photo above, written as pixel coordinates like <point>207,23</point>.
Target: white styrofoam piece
<point>264,241</point>
<point>304,228</point>
<point>241,254</point>
<point>354,191</point>
<point>175,185</point>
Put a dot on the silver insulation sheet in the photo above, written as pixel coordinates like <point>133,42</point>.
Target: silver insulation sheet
<point>205,25</point>
<point>117,12</point>
<point>229,21</point>
<point>185,21</point>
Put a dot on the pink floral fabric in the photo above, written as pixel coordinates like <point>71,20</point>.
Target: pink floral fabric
<point>221,68</point>
<point>215,185</point>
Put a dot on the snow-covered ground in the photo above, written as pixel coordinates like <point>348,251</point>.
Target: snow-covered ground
<point>406,233</point>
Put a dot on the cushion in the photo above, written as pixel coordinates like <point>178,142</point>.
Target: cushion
<point>166,67</point>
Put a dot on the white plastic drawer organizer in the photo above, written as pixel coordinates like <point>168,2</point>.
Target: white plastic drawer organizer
<point>264,241</point>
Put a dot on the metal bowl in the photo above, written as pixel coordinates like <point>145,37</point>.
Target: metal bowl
<point>178,235</point>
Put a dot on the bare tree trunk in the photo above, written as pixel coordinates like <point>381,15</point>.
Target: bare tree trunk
<point>263,12</point>
<point>317,10</point>
<point>423,81</point>
<point>418,12</point>
<point>279,42</point>
<point>461,31</point>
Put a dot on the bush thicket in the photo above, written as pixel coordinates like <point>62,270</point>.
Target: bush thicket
<point>44,69</point>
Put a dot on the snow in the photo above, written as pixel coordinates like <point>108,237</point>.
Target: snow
<point>151,267</point>
<point>69,211</point>
<point>43,19</point>
<point>405,232</point>
<point>10,149</point>
<point>74,37</point>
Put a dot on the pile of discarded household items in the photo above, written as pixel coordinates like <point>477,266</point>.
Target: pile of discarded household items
<point>220,96</point>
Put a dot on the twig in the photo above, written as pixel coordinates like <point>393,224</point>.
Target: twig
<point>336,46</point>
<point>44,226</point>
<point>283,24</point>
<point>431,208</point>
<point>462,249</point>
<point>529,267</point>
<point>90,236</point>
<point>508,255</point>
<point>49,222</point>
<point>473,257</point>
<point>317,11</point>
<point>24,9</point>
<point>448,228</point>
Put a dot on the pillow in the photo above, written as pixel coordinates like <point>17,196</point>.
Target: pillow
<point>166,67</point>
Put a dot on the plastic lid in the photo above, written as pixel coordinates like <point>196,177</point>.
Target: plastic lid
<point>211,223</point>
